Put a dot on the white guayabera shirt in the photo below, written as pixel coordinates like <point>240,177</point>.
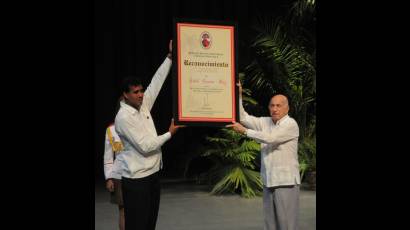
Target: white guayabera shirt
<point>142,154</point>
<point>279,147</point>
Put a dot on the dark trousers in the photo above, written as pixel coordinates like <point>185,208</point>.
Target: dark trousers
<point>141,202</point>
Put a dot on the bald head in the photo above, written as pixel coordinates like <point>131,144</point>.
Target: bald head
<point>278,107</point>
<point>280,99</point>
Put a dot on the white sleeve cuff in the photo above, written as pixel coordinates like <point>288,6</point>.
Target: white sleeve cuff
<point>168,61</point>
<point>167,136</point>
<point>250,133</point>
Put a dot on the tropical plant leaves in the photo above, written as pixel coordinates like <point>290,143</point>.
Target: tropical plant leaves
<point>234,157</point>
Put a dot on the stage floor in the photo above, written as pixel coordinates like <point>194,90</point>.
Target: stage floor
<point>190,207</point>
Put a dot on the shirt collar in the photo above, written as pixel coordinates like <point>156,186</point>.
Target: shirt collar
<point>128,108</point>
<point>282,119</point>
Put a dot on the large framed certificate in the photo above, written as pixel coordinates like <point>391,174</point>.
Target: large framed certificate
<point>205,73</point>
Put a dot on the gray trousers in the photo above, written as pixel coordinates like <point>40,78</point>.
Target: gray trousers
<point>281,207</point>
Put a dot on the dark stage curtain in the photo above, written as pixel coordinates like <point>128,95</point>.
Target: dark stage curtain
<point>131,37</point>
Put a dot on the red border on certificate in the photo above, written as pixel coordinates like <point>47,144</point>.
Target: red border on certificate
<point>209,119</point>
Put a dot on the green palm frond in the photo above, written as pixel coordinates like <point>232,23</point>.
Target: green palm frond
<point>234,166</point>
<point>284,62</point>
<point>307,155</point>
<point>249,100</point>
<point>303,11</point>
<point>247,181</point>
<point>249,145</point>
<point>221,141</point>
<point>303,166</point>
<point>246,159</point>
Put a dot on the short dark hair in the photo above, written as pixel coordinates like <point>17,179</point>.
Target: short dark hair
<point>129,81</point>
